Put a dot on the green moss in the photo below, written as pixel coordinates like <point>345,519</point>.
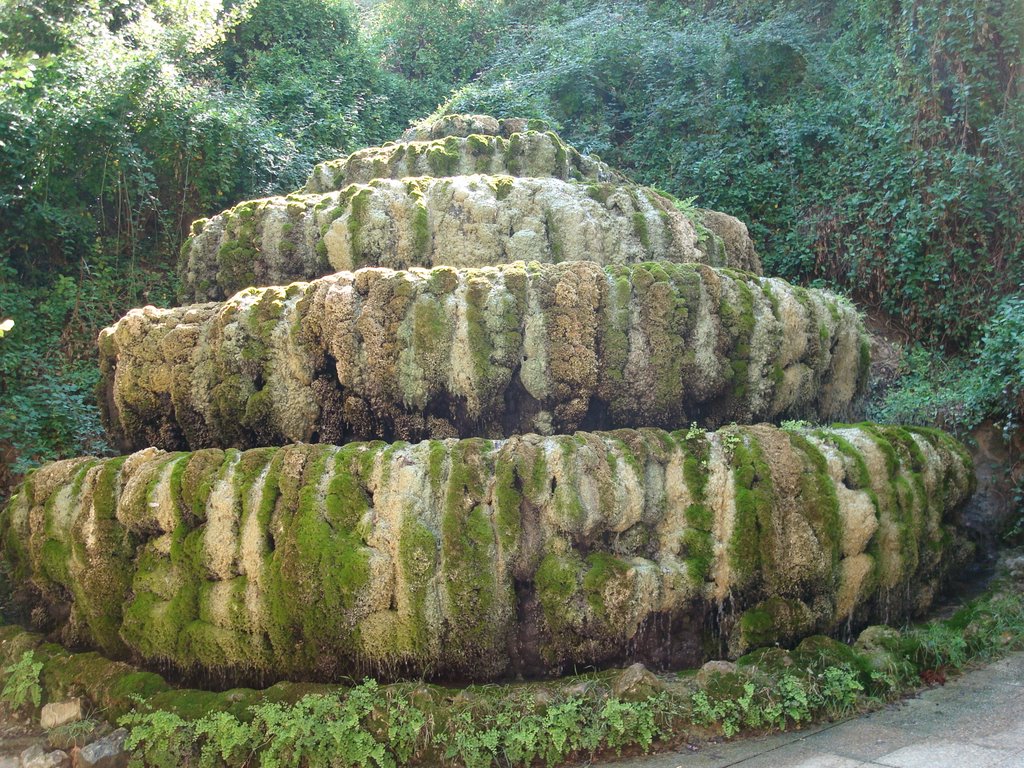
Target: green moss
<point>750,548</point>
<point>507,501</point>
<point>601,568</point>
<point>532,467</point>
<point>417,552</point>
<point>664,294</point>
<point>774,621</point>
<point>561,157</point>
<point>738,321</point>
<point>437,453</point>
<point>698,549</point>
<point>481,148</point>
<point>819,653</point>
<point>320,564</point>
<point>863,364</point>
<point>514,153</point>
<point>430,327</point>
<point>467,553</point>
<point>197,478</point>
<point>861,479</point>
<point>152,625</point>
<point>476,329</point>
<point>358,208</point>
<point>421,230</point>
<point>503,186</point>
<point>443,157</point>
<point>554,241</point>
<point>237,258</point>
<point>600,191</point>
<point>615,323</point>
<point>556,582</point>
<point>820,503</point>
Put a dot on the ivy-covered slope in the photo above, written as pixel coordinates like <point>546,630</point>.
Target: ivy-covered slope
<point>479,559</point>
<point>485,352</point>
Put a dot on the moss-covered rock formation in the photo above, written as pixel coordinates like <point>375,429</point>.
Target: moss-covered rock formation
<point>465,191</point>
<point>479,559</point>
<point>469,125</point>
<point>486,352</point>
<point>527,154</point>
<point>542,294</point>
<point>462,221</point>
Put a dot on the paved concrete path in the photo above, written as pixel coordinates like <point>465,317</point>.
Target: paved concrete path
<point>974,721</point>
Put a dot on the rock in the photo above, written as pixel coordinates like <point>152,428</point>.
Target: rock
<point>636,682</point>
<point>877,637</point>
<point>34,757</point>
<point>730,236</point>
<point>502,534</point>
<point>538,155</point>
<point>712,668</point>
<point>880,645</point>
<point>107,752</point>
<point>448,557</point>
<point>462,221</point>
<point>60,712</point>
<point>482,353</point>
<point>9,762</point>
<point>770,661</point>
<point>467,125</point>
<point>465,191</point>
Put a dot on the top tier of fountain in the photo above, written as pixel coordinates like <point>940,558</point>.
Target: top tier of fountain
<point>465,191</point>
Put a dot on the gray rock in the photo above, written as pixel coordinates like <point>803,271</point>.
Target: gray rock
<point>9,762</point>
<point>711,668</point>
<point>40,759</point>
<point>636,682</point>
<point>108,752</point>
<point>30,754</point>
<point>60,712</point>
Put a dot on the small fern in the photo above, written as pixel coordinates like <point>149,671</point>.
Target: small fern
<point>22,686</point>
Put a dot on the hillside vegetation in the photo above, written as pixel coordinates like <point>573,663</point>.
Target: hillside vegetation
<point>875,148</point>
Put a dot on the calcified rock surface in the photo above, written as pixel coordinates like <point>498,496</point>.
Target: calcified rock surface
<point>480,280</point>
<point>464,191</point>
<point>480,352</point>
<point>463,221</point>
<point>469,125</point>
<point>479,559</point>
<point>523,154</point>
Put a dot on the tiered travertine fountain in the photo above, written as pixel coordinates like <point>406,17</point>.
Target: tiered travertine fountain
<point>511,302</point>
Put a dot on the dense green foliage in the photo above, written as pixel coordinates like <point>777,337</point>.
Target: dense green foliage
<point>119,124</point>
<point>872,146</point>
